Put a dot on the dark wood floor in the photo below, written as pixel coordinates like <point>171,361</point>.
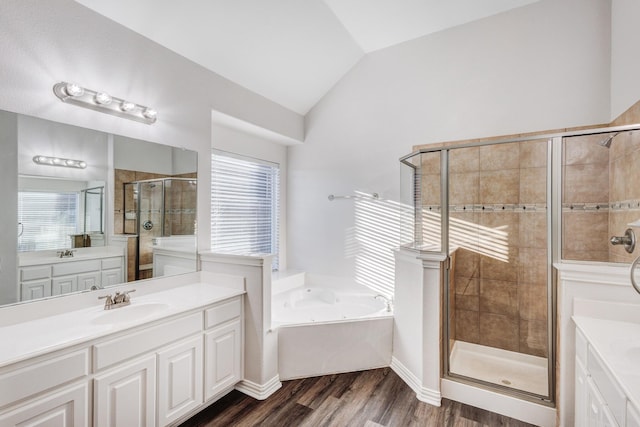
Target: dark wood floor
<point>369,399</point>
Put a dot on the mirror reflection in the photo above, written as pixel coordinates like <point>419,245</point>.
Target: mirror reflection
<point>94,210</point>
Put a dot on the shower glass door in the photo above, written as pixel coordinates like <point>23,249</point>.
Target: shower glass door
<point>499,275</point>
<point>150,223</point>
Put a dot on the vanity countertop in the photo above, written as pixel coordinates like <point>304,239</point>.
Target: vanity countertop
<point>32,338</point>
<point>27,259</point>
<point>618,345</point>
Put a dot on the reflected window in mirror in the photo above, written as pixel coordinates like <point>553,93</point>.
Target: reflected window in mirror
<point>47,219</point>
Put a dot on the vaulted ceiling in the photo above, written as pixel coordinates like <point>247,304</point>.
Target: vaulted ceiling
<point>289,51</point>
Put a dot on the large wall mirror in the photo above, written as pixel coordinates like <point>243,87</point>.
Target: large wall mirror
<point>83,210</point>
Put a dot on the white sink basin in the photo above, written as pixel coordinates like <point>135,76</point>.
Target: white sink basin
<point>129,313</point>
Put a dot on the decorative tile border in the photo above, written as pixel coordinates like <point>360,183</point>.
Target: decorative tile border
<point>489,208</point>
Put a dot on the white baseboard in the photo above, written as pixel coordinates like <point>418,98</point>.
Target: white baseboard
<point>432,397</point>
<point>259,391</point>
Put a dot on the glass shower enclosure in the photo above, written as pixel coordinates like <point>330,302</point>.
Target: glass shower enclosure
<point>158,208</point>
<point>485,206</point>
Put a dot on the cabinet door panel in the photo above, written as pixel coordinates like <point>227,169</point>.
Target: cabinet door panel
<point>125,396</point>
<point>581,394</point>
<point>223,358</point>
<point>179,380</point>
<point>66,408</point>
<point>35,289</point>
<point>64,285</point>
<point>112,277</point>
<point>87,280</point>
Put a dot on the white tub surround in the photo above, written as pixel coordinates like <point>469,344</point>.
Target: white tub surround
<point>605,283</point>
<point>329,325</point>
<point>261,377</point>
<point>416,332</point>
<point>174,350</point>
<point>607,372</point>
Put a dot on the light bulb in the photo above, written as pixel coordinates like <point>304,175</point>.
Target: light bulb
<point>127,106</point>
<point>73,90</point>
<point>103,98</point>
<point>150,113</point>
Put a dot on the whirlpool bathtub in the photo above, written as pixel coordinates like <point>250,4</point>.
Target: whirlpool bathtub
<point>328,325</point>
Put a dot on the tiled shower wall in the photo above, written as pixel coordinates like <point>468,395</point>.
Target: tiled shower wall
<point>601,196</point>
<point>497,198</point>
<point>500,276</point>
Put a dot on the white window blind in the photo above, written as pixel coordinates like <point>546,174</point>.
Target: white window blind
<point>244,206</point>
<point>46,219</point>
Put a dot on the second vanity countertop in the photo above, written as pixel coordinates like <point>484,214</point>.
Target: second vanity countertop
<point>618,345</point>
<point>25,340</point>
<point>27,259</point>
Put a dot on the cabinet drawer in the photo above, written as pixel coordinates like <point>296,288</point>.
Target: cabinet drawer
<point>34,273</point>
<point>111,263</point>
<point>31,379</point>
<point>223,312</point>
<point>613,396</point>
<point>132,344</point>
<point>65,268</point>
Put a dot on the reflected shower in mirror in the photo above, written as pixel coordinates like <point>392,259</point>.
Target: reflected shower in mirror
<point>75,231</point>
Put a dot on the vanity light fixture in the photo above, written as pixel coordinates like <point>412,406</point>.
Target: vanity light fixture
<point>58,161</point>
<point>103,102</point>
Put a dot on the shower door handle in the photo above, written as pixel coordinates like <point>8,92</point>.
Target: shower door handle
<point>628,240</point>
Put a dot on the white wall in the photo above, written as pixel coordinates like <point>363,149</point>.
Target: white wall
<point>543,66</point>
<point>46,42</point>
<point>625,61</point>
<point>47,138</point>
<point>242,143</point>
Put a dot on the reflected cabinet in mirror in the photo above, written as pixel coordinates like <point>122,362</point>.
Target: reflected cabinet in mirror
<point>83,209</point>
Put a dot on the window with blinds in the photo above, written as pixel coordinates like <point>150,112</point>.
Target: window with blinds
<point>244,206</point>
<point>47,219</point>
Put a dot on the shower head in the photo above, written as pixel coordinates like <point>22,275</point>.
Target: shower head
<point>607,141</point>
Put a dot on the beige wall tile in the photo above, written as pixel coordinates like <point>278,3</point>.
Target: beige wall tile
<point>533,337</point>
<point>430,163</point>
<point>430,189</point>
<point>582,150</point>
<point>586,183</point>
<point>499,331</point>
<point>618,179</point>
<point>464,188</point>
<point>499,297</point>
<point>467,264</point>
<point>533,185</point>
<point>467,285</point>
<point>467,326</point>
<point>500,186</point>
<point>533,154</point>
<point>585,231</point>
<point>532,301</point>
<point>602,256</point>
<point>533,230</point>
<point>463,160</point>
<point>500,157</point>
<point>499,269</point>
<point>467,302</point>
<point>532,266</point>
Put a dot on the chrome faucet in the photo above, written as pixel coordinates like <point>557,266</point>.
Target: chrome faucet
<point>118,300</point>
<point>67,253</point>
<point>387,301</point>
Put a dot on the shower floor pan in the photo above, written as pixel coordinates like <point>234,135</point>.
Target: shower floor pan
<point>502,367</point>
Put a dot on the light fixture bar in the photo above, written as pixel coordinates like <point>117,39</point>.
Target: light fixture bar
<point>59,161</point>
<point>103,102</point>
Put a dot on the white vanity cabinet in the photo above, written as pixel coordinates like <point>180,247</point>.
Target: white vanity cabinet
<point>46,392</point>
<point>223,348</point>
<point>599,399</point>
<point>67,276</point>
<point>152,375</point>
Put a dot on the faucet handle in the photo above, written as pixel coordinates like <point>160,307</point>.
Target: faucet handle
<point>109,301</point>
<point>126,297</point>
